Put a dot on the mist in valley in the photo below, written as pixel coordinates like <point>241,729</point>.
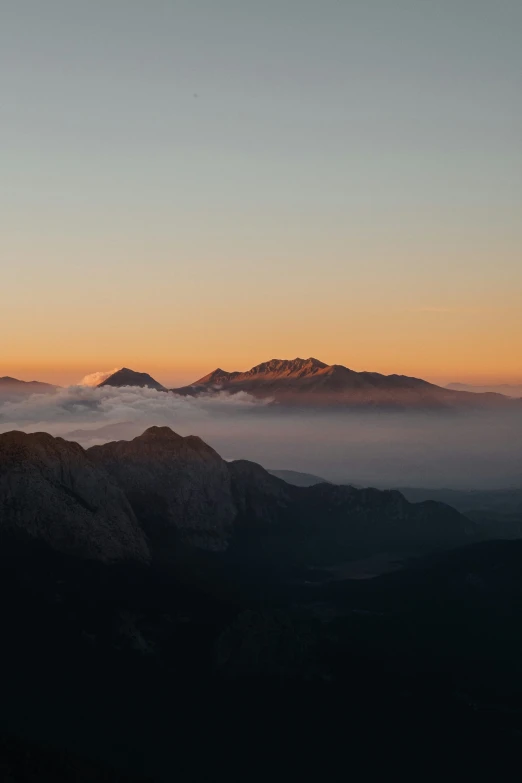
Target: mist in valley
<point>463,451</point>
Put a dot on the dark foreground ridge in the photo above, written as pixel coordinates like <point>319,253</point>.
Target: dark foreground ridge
<point>208,626</point>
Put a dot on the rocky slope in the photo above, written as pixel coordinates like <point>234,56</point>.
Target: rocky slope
<point>312,382</point>
<point>179,487</point>
<point>51,493</point>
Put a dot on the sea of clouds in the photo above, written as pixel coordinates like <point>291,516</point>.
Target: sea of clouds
<point>479,450</point>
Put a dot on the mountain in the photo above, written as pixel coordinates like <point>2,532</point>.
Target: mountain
<point>325,524</point>
<point>12,388</point>
<point>508,501</point>
<point>314,383</point>
<point>184,493</point>
<point>112,665</point>
<point>121,430</point>
<point>52,494</point>
<point>498,513</point>
<point>126,377</point>
<point>179,487</point>
<point>164,493</point>
<point>297,478</point>
<point>509,390</point>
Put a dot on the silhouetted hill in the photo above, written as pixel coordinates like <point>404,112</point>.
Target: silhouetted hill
<point>51,493</point>
<point>181,490</point>
<point>126,377</point>
<point>327,524</point>
<point>178,487</point>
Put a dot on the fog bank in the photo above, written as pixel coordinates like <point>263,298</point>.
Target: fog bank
<point>462,451</point>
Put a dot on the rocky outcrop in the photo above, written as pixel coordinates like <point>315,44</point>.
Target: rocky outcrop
<point>179,488</point>
<point>51,493</point>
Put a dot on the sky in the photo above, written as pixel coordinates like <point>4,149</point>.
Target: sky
<point>202,183</point>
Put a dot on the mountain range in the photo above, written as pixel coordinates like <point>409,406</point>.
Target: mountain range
<point>149,497</point>
<point>310,382</point>
<point>166,613</point>
<point>507,389</point>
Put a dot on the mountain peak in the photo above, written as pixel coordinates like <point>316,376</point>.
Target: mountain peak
<point>296,368</point>
<point>216,377</point>
<point>126,377</point>
<point>311,382</point>
<point>159,434</point>
<point>164,436</point>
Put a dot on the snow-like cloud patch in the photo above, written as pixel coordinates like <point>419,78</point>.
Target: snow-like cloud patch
<point>95,378</point>
<point>87,413</point>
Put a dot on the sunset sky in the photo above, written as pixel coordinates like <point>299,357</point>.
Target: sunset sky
<point>188,184</point>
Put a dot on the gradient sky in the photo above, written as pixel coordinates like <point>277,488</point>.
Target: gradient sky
<point>186,184</point>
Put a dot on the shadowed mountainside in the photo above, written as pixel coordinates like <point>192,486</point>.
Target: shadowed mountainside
<point>179,487</point>
<point>162,492</point>
<point>50,492</point>
<point>182,490</point>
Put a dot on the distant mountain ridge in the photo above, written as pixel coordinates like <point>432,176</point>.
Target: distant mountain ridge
<point>13,387</point>
<point>508,389</point>
<point>312,382</point>
<point>126,377</point>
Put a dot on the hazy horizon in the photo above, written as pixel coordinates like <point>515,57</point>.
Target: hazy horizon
<point>194,184</point>
<point>474,450</point>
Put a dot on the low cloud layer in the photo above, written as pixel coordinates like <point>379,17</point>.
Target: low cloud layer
<point>85,412</point>
<point>479,450</point>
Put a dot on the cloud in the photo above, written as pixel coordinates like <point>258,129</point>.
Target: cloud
<point>478,450</point>
<point>89,408</point>
<point>95,378</point>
